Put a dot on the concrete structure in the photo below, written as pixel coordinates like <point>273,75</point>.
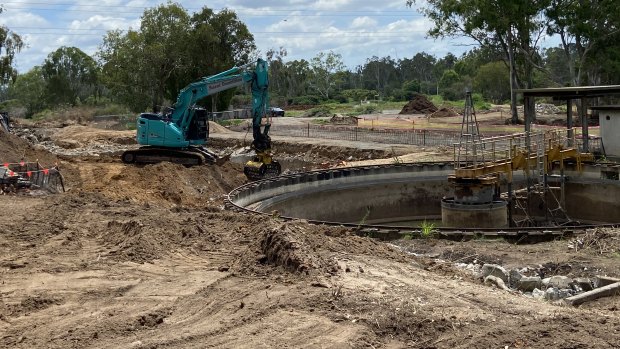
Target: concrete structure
<point>609,121</point>
<point>401,194</point>
<point>581,93</point>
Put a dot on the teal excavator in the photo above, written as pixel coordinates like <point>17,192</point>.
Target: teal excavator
<point>180,134</point>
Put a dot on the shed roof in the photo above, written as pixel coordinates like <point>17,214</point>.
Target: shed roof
<point>571,92</point>
<point>605,107</point>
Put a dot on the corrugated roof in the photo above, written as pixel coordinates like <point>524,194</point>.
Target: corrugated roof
<point>571,92</point>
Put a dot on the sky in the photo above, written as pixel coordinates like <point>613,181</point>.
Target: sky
<point>356,29</point>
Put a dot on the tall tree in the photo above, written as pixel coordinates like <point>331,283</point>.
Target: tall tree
<point>324,68</point>
<point>171,49</point>
<point>10,44</point>
<point>583,25</point>
<point>29,89</point>
<point>514,25</point>
<point>70,75</point>
<point>379,72</point>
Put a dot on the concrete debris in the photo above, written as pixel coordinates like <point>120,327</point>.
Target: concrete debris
<point>558,281</point>
<point>583,284</point>
<point>536,293</point>
<point>605,291</point>
<point>514,276</point>
<point>553,294</point>
<point>495,270</point>
<point>602,281</point>
<point>496,281</point>
<point>528,284</point>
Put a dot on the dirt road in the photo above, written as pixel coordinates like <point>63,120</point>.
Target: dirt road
<point>147,257</point>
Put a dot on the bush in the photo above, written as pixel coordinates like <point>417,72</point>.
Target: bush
<point>366,109</point>
<point>305,100</point>
<point>321,111</point>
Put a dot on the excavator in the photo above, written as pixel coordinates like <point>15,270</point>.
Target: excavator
<point>180,134</point>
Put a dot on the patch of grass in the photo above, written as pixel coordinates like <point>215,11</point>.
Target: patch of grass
<point>230,122</point>
<point>427,229</point>
<point>363,221</point>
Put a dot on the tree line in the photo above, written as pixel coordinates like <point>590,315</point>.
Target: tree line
<point>144,68</point>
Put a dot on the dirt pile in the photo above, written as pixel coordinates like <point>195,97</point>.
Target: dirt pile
<point>444,113</point>
<point>164,184</point>
<point>338,119</point>
<point>419,105</point>
<point>16,149</point>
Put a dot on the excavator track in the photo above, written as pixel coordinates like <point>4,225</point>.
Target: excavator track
<point>150,155</point>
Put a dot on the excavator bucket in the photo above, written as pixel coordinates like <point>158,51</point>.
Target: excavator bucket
<point>262,166</point>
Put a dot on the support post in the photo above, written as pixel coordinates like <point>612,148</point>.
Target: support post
<point>584,125</point>
<point>569,121</point>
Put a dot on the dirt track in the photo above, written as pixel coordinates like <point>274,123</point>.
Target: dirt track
<point>146,257</point>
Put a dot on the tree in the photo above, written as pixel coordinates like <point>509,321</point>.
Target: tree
<point>514,25</point>
<point>450,85</point>
<point>70,75</point>
<point>582,27</point>
<point>493,81</point>
<point>324,68</point>
<point>379,72</point>
<point>29,89</point>
<point>170,50</point>
<point>10,44</point>
<point>217,42</point>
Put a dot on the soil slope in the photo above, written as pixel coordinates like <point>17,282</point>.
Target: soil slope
<point>147,257</point>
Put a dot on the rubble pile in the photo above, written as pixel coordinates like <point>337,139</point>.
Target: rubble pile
<point>419,105</point>
<point>543,109</point>
<point>530,282</point>
<point>339,119</point>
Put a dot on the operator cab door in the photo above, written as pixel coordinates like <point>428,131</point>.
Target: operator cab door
<point>151,129</point>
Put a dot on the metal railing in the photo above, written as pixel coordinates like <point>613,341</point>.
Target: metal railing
<point>475,154</point>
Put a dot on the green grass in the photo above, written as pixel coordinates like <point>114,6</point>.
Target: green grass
<point>427,229</point>
<point>230,122</point>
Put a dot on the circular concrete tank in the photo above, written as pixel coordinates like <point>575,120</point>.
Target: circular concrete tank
<point>487,215</point>
<point>405,195</point>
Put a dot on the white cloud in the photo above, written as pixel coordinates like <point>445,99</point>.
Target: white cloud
<point>363,23</point>
<point>356,29</point>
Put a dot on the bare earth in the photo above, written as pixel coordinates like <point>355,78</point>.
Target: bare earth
<point>147,257</point>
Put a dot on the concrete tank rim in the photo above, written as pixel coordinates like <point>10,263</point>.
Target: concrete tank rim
<point>230,202</point>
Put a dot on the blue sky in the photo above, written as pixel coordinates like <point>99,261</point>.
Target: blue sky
<point>356,29</point>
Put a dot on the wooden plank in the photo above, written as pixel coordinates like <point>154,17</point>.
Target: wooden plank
<point>606,291</point>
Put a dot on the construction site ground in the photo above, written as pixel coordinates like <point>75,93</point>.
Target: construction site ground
<point>147,257</point>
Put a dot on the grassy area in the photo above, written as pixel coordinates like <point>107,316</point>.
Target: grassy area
<point>231,122</point>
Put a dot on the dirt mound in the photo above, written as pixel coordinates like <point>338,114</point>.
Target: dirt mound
<point>75,136</point>
<point>164,183</point>
<point>214,127</point>
<point>338,119</point>
<point>444,113</point>
<point>281,249</point>
<point>419,105</point>
<point>15,149</point>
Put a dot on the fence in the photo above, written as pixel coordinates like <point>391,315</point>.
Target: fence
<point>410,137</point>
<point>30,175</point>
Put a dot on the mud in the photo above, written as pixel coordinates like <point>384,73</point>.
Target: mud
<point>147,257</point>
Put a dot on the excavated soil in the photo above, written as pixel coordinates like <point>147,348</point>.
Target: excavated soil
<point>147,257</point>
<point>419,104</point>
